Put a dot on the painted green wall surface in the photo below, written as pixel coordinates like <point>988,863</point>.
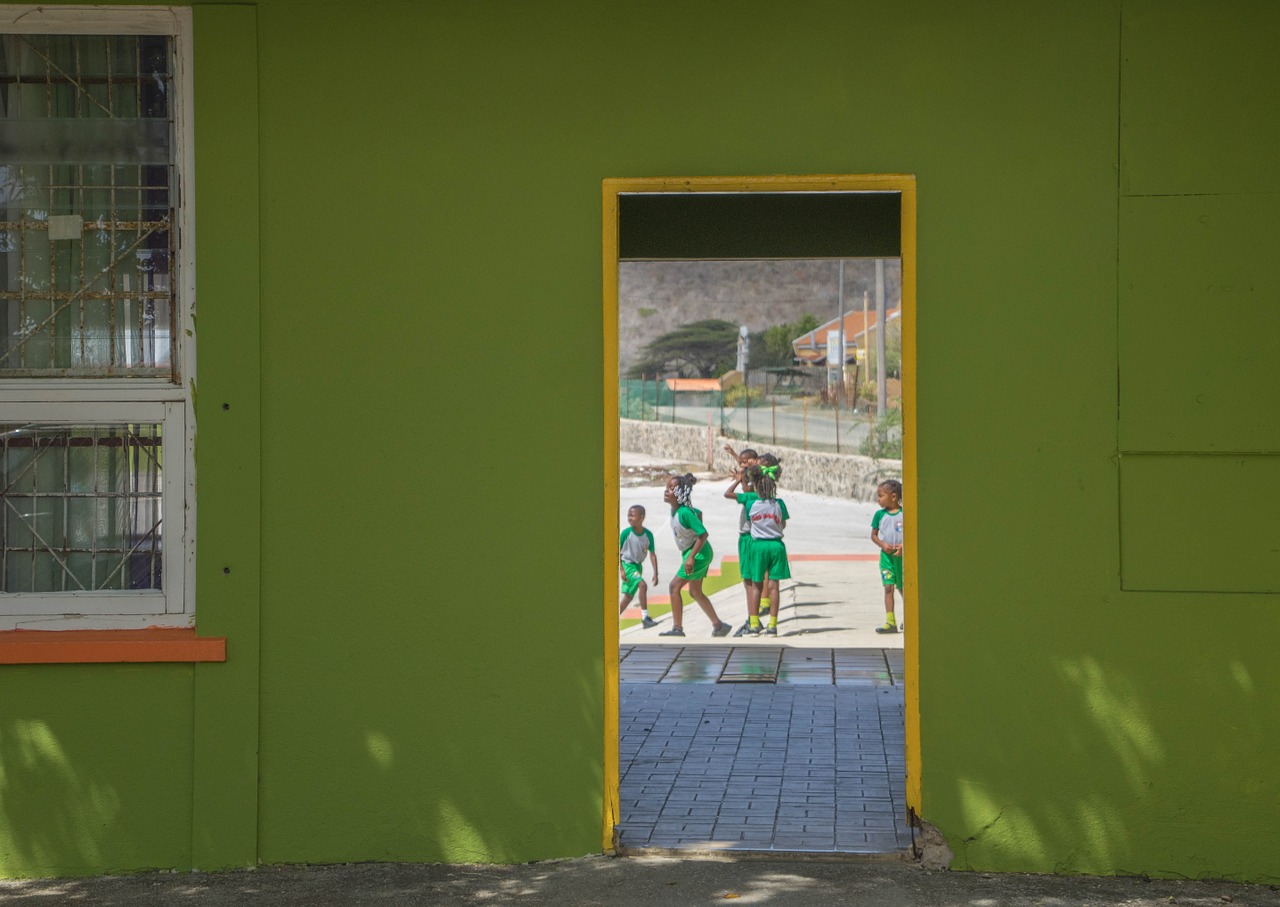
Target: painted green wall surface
<point>430,662</point>
<point>1201,102</point>
<point>1199,283</point>
<point>399,265</point>
<point>95,768</point>
<point>1193,542</point>
<point>228,441</point>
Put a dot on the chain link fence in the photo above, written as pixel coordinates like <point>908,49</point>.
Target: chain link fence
<point>803,422</point>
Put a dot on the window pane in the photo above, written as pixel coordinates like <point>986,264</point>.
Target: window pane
<point>81,508</point>
<point>87,243</point>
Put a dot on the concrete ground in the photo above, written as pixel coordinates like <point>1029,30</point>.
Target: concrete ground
<point>830,604</point>
<point>640,881</point>
<point>834,598</point>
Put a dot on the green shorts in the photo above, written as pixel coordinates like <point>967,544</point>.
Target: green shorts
<point>891,569</point>
<point>744,553</point>
<point>768,558</point>
<point>701,563</point>
<point>631,578</point>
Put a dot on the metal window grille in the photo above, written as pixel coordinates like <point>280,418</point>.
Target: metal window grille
<point>81,508</point>
<point>87,242</point>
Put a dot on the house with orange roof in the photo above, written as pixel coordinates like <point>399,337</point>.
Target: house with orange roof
<point>695,391</point>
<point>859,332</point>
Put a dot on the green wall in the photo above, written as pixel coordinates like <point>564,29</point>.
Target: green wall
<point>414,229</point>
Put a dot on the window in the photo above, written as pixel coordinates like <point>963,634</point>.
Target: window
<point>97,328</point>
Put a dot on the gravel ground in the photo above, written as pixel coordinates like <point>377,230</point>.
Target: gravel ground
<point>633,881</point>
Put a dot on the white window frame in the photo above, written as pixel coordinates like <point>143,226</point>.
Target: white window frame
<point>39,607</point>
<point>113,401</point>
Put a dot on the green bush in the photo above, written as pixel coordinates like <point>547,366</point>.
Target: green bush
<point>739,394</point>
<point>885,440</point>
<point>633,406</point>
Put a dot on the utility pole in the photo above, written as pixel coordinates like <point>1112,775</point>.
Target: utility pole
<point>840,334</point>
<point>866,338</point>
<point>882,388</point>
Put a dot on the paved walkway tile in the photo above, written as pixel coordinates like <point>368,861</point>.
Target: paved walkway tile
<point>711,664</point>
<point>810,761</point>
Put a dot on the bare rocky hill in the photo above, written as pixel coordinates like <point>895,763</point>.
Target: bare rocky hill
<point>658,296</point>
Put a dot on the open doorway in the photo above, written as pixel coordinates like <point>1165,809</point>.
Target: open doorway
<point>830,260</point>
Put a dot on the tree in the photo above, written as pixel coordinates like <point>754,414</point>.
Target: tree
<point>700,349</point>
<point>771,348</point>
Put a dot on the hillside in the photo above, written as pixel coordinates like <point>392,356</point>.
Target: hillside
<point>657,296</point>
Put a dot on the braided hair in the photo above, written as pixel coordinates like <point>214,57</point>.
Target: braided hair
<point>683,489</point>
<point>771,468</point>
<point>765,485</point>
<point>893,486</point>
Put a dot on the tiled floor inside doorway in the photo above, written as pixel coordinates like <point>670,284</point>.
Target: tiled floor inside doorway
<point>762,748</point>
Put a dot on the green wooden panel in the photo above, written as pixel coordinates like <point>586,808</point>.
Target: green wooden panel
<point>1200,96</point>
<point>1200,523</point>
<point>95,769</point>
<point>1199,317</point>
<point>228,417</point>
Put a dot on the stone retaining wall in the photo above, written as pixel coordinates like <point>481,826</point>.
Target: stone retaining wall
<point>835,475</point>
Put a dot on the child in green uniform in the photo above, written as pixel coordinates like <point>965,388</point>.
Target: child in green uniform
<point>768,516</point>
<point>695,556</point>
<point>745,460</point>
<point>771,466</point>
<point>633,544</point>
<point>886,532</point>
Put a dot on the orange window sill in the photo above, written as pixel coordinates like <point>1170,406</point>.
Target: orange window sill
<point>28,647</point>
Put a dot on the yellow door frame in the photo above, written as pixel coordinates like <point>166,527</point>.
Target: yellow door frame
<point>903,184</point>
